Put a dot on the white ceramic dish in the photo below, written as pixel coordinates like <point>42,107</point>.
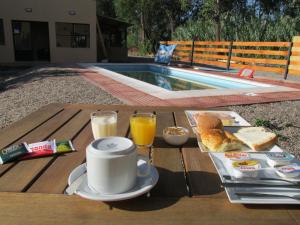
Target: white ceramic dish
<point>176,139</point>
<point>236,118</point>
<point>143,185</point>
<point>223,169</point>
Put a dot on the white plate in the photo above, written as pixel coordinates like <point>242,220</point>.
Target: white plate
<point>223,168</point>
<point>238,120</point>
<point>143,185</point>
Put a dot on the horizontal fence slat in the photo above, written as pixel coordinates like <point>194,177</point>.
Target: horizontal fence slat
<point>294,72</point>
<point>294,62</point>
<point>183,48</point>
<point>262,68</point>
<point>213,63</point>
<point>211,43</point>
<point>260,52</point>
<point>295,53</point>
<point>210,56</point>
<point>176,53</point>
<point>211,49</point>
<point>260,60</point>
<point>185,60</point>
<point>294,67</point>
<point>268,44</point>
<point>296,44</point>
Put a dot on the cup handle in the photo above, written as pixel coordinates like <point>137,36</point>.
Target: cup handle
<point>148,170</point>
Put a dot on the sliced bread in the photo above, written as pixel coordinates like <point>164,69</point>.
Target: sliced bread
<point>257,138</point>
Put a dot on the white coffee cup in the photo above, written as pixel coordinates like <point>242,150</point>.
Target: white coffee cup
<point>112,165</point>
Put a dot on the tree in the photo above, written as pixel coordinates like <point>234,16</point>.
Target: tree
<point>154,20</point>
<point>105,8</point>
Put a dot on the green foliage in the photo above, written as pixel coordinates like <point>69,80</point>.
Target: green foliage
<point>105,8</point>
<point>195,30</point>
<point>242,20</point>
<point>237,20</point>
<point>154,20</point>
<point>145,47</point>
<point>263,123</point>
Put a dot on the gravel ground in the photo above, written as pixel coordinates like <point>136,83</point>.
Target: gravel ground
<point>25,93</point>
<point>283,118</point>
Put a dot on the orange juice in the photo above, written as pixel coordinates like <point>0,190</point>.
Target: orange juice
<point>143,127</point>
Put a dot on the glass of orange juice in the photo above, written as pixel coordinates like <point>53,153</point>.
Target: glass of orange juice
<point>143,127</point>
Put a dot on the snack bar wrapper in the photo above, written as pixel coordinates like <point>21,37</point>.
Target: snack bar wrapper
<point>64,146</point>
<point>13,152</point>
<point>38,149</point>
<point>47,148</point>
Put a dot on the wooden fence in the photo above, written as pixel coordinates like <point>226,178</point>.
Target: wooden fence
<point>277,57</point>
<point>294,67</point>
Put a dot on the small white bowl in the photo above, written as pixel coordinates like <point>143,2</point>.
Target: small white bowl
<point>176,139</point>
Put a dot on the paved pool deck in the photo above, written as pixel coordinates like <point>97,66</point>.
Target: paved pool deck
<point>131,95</point>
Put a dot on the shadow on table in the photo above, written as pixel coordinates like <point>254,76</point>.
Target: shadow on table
<point>171,186</point>
<point>204,183</point>
<point>160,143</point>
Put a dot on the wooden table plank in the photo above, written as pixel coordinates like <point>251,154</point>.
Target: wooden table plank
<point>25,171</point>
<point>168,161</point>
<point>182,121</point>
<point>12,133</point>
<point>58,209</point>
<point>42,132</point>
<point>202,177</point>
<point>63,166</point>
<point>171,181</point>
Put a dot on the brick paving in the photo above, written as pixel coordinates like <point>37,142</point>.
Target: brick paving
<point>133,96</point>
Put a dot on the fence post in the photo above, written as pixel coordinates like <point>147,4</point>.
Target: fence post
<point>229,55</point>
<point>192,56</point>
<point>285,74</point>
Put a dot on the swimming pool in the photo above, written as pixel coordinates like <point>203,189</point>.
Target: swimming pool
<point>214,85</point>
<point>175,80</point>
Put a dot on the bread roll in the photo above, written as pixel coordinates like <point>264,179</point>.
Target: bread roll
<point>219,141</point>
<point>205,122</point>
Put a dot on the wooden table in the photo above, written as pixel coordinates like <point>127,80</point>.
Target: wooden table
<point>188,190</point>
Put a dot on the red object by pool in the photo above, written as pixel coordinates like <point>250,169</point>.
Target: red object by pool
<point>246,73</point>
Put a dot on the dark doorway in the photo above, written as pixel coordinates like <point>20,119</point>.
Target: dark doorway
<point>31,41</point>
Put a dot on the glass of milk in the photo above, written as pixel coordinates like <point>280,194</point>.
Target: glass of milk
<point>104,124</point>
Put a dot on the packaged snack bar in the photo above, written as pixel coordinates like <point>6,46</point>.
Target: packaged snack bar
<point>13,152</point>
<point>38,149</point>
<point>47,148</point>
<point>64,146</point>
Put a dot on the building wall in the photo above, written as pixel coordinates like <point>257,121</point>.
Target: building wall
<point>50,11</point>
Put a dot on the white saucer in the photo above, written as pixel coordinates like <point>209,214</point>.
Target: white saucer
<point>143,184</point>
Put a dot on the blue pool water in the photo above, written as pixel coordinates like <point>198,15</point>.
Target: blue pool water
<point>172,79</point>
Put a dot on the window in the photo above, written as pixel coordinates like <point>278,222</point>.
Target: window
<point>1,32</point>
<point>72,35</point>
